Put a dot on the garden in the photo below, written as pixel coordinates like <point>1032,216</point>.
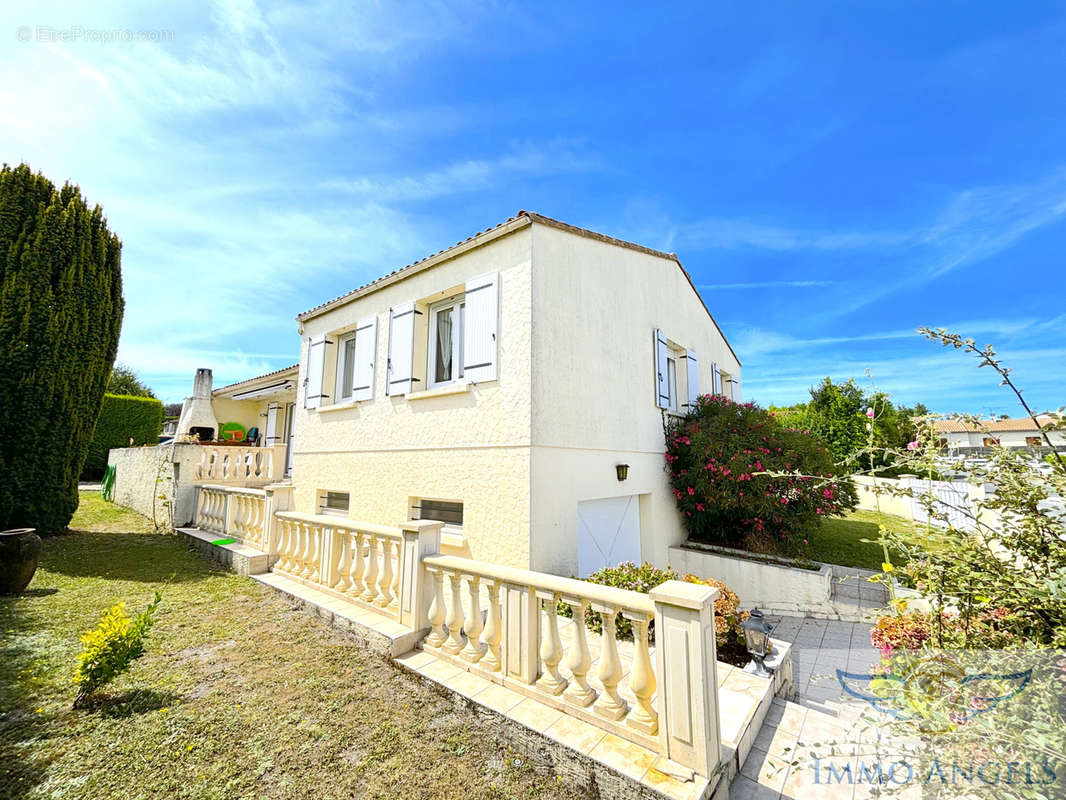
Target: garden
<point>204,713</point>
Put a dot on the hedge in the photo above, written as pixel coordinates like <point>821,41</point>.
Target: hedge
<point>122,417</point>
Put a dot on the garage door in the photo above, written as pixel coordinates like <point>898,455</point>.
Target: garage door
<point>608,533</point>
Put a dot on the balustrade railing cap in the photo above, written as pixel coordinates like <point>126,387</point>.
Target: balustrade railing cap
<point>684,594</point>
<point>421,525</point>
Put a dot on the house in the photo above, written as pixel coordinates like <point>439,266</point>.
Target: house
<point>498,386</point>
<point>513,386</point>
<point>958,434</point>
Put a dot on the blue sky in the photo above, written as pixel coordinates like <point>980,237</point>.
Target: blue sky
<point>832,175</point>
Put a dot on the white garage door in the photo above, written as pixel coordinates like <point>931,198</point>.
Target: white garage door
<point>608,533</point>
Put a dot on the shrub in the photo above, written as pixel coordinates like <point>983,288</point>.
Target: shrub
<point>643,579</point>
<point>122,419</point>
<point>111,647</point>
<point>60,314</point>
<point>727,462</point>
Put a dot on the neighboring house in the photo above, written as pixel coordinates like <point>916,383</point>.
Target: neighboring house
<point>1014,433</point>
<point>504,386</point>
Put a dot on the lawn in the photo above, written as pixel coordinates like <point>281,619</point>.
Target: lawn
<point>838,540</point>
<point>237,696</point>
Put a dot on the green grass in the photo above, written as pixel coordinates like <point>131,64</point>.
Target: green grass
<point>839,539</point>
<point>237,696</point>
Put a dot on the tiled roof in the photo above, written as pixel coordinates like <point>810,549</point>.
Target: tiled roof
<point>294,369</point>
<point>991,425</point>
<point>521,219</point>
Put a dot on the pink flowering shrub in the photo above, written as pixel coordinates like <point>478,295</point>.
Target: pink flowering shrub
<point>718,457</point>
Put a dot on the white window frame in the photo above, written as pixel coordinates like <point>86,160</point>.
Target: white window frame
<point>671,380</point>
<point>344,393</point>
<point>457,304</point>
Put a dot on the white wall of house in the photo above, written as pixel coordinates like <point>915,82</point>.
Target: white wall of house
<point>470,445</point>
<point>595,309</point>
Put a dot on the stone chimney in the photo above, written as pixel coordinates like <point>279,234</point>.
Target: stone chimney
<point>197,413</point>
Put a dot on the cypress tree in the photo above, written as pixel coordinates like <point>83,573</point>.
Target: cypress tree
<point>60,316</point>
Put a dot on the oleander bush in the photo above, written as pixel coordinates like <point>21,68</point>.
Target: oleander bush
<point>743,479</point>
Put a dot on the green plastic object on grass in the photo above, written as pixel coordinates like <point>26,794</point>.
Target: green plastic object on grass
<point>107,486</point>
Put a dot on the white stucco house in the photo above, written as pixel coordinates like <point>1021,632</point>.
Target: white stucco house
<point>498,384</point>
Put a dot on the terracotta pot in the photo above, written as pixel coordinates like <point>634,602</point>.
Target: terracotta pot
<point>20,552</point>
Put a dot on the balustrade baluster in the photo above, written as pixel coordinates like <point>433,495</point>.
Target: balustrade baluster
<point>474,649</point>
<point>437,636</point>
<point>355,543</point>
<point>455,616</point>
<point>284,545</point>
<point>493,630</point>
<point>642,678</point>
<point>341,541</point>
<point>610,703</point>
<point>317,532</point>
<point>551,647</point>
<point>579,659</point>
<point>305,556</point>
<point>371,577</point>
<point>385,576</point>
<point>397,550</point>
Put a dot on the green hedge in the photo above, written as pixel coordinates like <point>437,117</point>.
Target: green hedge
<point>122,417</point>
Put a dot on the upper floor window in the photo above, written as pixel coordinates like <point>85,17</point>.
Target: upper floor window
<point>446,327</point>
<point>345,366</point>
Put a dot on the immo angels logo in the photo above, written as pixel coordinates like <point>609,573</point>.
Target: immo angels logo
<point>933,694</point>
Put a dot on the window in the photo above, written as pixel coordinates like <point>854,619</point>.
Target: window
<point>335,503</point>
<point>990,441</point>
<point>671,382</point>
<point>1033,441</point>
<point>677,375</point>
<point>447,511</point>
<point>345,366</point>
<point>445,351</point>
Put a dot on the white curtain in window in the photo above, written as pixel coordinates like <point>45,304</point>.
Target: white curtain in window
<point>444,344</point>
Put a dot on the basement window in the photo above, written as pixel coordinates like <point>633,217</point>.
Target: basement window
<point>335,503</point>
<point>449,512</point>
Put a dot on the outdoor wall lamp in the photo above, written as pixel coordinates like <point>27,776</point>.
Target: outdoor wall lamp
<point>622,471</point>
<point>757,639</point>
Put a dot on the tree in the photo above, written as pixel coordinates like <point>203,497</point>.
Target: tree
<point>124,381</point>
<point>837,416</point>
<point>60,315</point>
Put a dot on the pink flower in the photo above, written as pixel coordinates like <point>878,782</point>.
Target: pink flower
<point>870,413</point>
<point>912,445</point>
<point>805,541</point>
<point>818,511</point>
<point>699,506</point>
<point>691,490</point>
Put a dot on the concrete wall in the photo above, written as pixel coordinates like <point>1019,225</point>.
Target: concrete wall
<point>472,446</point>
<point>869,500</point>
<point>143,473</point>
<point>765,584</point>
<point>596,307</point>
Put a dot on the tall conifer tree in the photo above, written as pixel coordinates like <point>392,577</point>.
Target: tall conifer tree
<point>60,315</point>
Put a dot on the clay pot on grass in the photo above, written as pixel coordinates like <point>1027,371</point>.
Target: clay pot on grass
<point>20,552</point>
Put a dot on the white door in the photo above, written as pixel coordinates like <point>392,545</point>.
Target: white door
<point>608,533</point>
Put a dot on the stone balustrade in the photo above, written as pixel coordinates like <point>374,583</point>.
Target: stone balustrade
<point>503,623</point>
<point>666,703</point>
<point>225,463</point>
<point>361,561</point>
<point>233,511</point>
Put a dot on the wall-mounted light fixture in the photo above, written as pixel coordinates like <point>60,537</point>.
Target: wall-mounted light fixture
<point>622,471</point>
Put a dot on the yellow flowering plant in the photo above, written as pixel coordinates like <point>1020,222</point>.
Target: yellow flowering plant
<point>111,647</point>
